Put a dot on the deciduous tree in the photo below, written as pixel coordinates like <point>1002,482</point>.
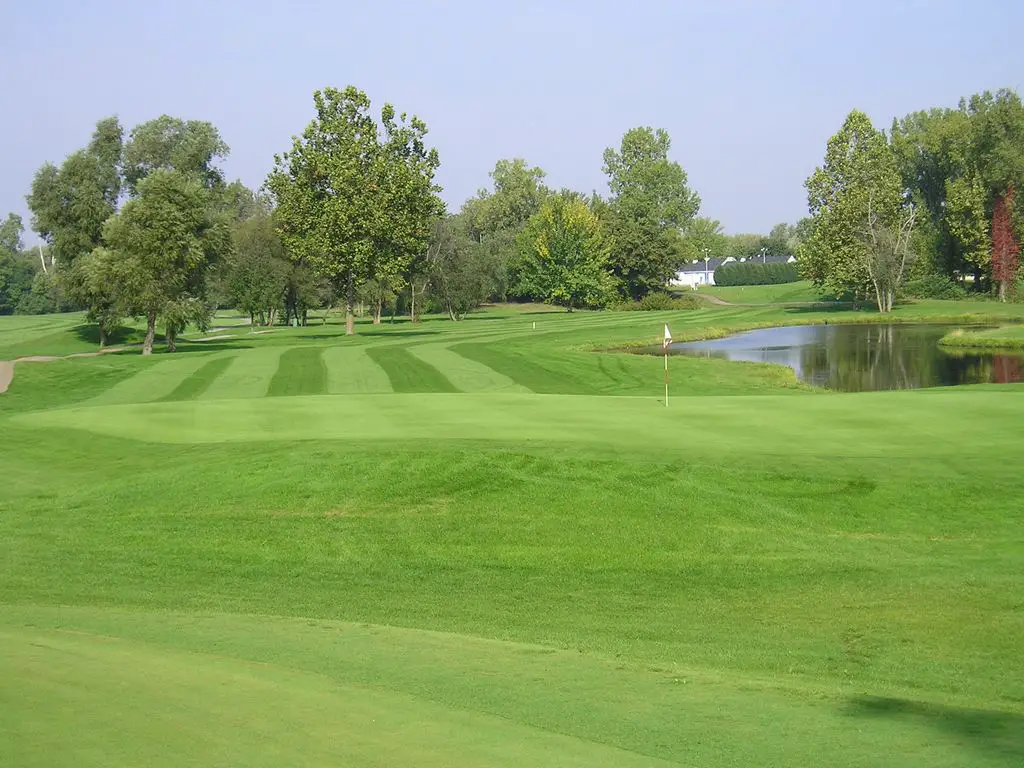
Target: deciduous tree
<point>259,268</point>
<point>190,147</point>
<point>566,255</point>
<point>351,204</point>
<point>650,205</point>
<point>1005,248</point>
<point>859,173</point>
<point>163,241</point>
<point>70,204</point>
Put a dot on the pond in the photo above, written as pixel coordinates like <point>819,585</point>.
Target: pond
<point>863,358</point>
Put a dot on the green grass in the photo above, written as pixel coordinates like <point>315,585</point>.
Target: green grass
<point>518,557</point>
<point>801,291</point>
<point>301,371</point>
<point>1009,337</point>
<point>200,381</point>
<point>408,373</point>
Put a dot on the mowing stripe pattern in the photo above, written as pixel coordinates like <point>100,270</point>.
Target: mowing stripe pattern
<point>200,381</point>
<point>301,371</point>
<point>351,371</point>
<point>465,374</point>
<point>408,373</point>
<point>249,375</point>
<point>157,378</point>
<point>518,366</point>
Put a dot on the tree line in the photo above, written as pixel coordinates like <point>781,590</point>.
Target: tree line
<point>932,201</point>
<point>144,224</point>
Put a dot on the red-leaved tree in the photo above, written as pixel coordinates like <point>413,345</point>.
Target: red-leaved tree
<point>1005,249</point>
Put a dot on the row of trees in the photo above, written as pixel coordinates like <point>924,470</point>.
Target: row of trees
<point>577,250</point>
<point>705,238</point>
<point>145,225</point>
<point>935,197</point>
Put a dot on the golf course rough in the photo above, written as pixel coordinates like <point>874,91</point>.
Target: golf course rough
<point>484,543</point>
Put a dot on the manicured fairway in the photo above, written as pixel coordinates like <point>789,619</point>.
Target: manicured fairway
<point>488,544</point>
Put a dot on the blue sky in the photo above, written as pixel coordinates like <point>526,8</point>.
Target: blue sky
<point>749,91</point>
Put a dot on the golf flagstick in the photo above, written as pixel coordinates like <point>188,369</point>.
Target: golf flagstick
<point>664,349</point>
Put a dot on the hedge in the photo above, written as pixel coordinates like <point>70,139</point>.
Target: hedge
<point>752,273</point>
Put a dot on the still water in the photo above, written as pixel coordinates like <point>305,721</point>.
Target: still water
<point>862,358</point>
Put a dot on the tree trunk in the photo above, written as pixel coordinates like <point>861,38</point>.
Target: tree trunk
<point>103,336</point>
<point>147,344</point>
<point>452,315</point>
<point>412,301</point>
<point>1002,290</point>
<point>378,309</point>
<point>350,305</point>
<point>172,342</point>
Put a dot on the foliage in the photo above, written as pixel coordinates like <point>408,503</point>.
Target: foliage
<point>161,245</point>
<point>92,281</point>
<point>704,238</point>
<point>16,274</point>
<point>934,286</point>
<point>743,246</point>
<point>859,175</point>
<point>565,255</point>
<point>649,207</point>
<point>888,256</point>
<point>258,269</point>
<point>660,301</point>
<point>41,298</point>
<point>70,204</point>
<point>459,269</point>
<point>352,204</point>
<point>190,147</point>
<point>956,164</point>
<point>753,273</point>
<point>495,219</point>
<point>1005,249</point>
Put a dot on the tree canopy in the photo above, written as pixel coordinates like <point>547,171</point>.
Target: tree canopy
<point>566,254</point>
<point>159,247</point>
<point>353,204</point>
<point>650,205</point>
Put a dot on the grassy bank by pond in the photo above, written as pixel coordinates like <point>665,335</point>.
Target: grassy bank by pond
<point>1010,338</point>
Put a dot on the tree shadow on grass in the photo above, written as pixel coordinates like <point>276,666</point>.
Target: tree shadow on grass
<point>996,733</point>
<point>818,307</point>
<point>361,333</point>
<point>124,334</point>
<point>184,347</point>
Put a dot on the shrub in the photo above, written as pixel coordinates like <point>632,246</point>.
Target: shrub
<point>934,287</point>
<point>753,273</point>
<point>659,302</point>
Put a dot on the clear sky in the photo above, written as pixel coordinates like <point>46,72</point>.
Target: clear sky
<point>749,91</point>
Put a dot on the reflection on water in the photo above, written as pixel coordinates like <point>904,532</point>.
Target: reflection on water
<point>861,358</point>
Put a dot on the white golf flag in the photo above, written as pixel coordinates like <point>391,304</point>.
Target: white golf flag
<point>668,338</point>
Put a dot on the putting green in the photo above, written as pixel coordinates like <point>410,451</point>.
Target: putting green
<point>874,424</point>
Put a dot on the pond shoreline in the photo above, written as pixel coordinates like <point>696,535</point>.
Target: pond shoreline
<point>856,356</point>
<point>969,341</point>
<point>711,333</point>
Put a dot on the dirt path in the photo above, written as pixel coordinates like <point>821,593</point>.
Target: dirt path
<point>715,300</point>
<point>7,366</point>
